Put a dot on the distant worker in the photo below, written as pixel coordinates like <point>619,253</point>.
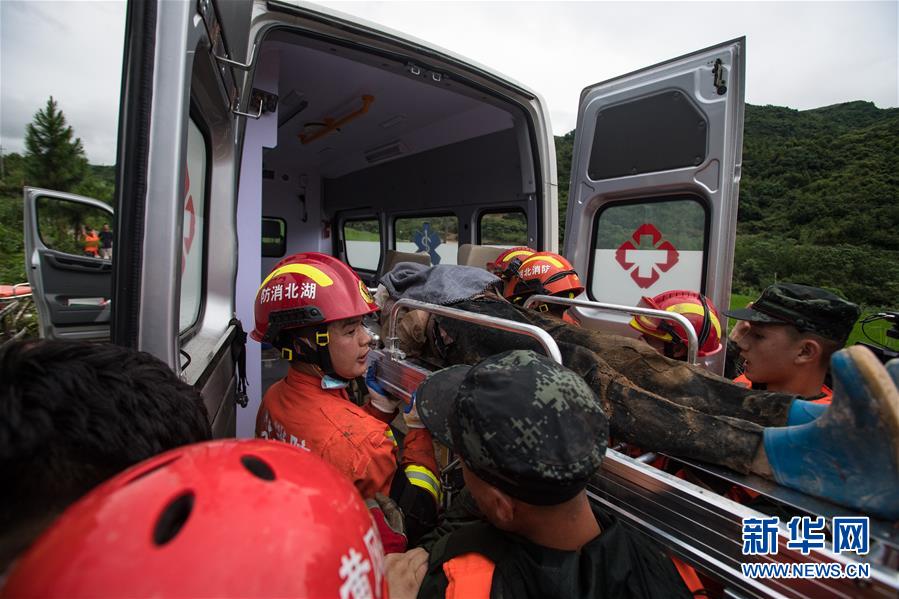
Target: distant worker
<point>73,414</point>
<point>218,519</point>
<point>667,336</point>
<point>311,308</point>
<point>91,243</point>
<point>542,537</point>
<point>106,242</point>
<point>793,330</point>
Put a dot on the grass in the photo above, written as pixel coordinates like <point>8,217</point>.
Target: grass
<point>876,330</point>
<point>358,235</point>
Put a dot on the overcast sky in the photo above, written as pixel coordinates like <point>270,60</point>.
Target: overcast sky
<point>799,54</point>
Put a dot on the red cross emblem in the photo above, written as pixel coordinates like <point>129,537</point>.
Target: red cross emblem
<point>647,265</point>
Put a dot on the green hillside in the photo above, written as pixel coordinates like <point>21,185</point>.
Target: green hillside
<point>819,199</point>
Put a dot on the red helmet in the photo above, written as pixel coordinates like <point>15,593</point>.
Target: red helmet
<point>698,309</point>
<point>544,273</point>
<point>222,518</point>
<point>308,289</point>
<point>507,263</point>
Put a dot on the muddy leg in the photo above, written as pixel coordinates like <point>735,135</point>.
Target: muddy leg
<point>677,381</point>
<point>636,414</point>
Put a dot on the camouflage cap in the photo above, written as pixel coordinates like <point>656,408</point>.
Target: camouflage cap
<point>519,421</point>
<point>807,308</point>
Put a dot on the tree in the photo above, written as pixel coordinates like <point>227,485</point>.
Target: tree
<point>55,158</point>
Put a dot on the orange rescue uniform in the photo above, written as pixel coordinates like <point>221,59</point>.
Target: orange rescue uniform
<point>823,398</point>
<point>298,411</point>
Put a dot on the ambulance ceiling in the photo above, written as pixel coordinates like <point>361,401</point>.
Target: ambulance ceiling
<point>408,114</point>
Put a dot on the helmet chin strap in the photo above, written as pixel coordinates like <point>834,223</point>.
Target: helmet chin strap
<point>318,354</point>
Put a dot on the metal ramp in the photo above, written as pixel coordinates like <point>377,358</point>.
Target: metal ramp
<point>694,523</point>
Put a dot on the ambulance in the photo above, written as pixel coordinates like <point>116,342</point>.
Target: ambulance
<point>250,131</point>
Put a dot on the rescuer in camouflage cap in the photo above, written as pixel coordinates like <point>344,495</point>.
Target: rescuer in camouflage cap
<point>531,434</point>
<point>790,334</point>
<point>807,308</point>
<point>519,421</point>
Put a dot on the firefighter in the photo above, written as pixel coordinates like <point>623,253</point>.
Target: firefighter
<point>668,337</point>
<point>215,519</point>
<point>541,538</point>
<point>311,308</point>
<point>507,263</point>
<point>544,273</point>
<point>793,330</point>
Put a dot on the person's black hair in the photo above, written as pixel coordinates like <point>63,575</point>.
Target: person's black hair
<point>73,414</point>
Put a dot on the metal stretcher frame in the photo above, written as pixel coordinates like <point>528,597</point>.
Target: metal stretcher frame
<point>696,524</point>
<point>692,339</point>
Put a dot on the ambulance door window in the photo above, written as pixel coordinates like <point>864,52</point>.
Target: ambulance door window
<point>435,235</point>
<point>274,237</point>
<point>193,257</point>
<point>646,247</point>
<point>503,229</point>
<point>363,243</point>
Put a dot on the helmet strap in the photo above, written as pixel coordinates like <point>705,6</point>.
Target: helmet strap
<point>313,349</point>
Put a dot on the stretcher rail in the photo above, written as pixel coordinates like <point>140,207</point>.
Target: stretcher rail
<point>541,336</point>
<point>692,339</point>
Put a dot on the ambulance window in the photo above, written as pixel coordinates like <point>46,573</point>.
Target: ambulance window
<point>274,237</point>
<point>363,243</point>
<point>435,235</point>
<point>192,260</point>
<point>503,229</point>
<point>648,247</point>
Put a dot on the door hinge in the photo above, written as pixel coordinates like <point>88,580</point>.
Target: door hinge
<point>720,80</point>
<point>263,100</point>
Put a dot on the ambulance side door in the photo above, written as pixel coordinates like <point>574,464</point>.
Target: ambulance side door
<point>178,159</point>
<point>655,183</point>
<point>71,288</point>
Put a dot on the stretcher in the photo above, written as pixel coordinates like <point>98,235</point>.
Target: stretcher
<point>698,525</point>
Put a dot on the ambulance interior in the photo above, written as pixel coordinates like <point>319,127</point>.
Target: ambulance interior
<point>406,142</point>
<point>374,154</point>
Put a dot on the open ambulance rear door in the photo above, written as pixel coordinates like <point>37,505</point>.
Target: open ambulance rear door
<point>655,183</point>
<point>178,147</point>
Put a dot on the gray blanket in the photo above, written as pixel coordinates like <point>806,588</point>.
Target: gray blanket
<point>443,284</point>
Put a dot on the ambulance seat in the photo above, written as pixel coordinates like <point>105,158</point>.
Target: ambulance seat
<point>477,255</point>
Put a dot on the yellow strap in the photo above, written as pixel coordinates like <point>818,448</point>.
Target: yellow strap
<point>389,434</point>
<point>424,478</point>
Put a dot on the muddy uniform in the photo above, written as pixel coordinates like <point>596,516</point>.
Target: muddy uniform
<point>652,401</point>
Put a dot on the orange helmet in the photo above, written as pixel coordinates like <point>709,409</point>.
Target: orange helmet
<point>695,307</point>
<point>222,518</point>
<point>308,289</point>
<point>507,263</point>
<point>544,273</point>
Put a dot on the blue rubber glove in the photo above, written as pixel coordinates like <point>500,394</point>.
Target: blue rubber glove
<point>410,415</point>
<point>378,395</point>
<point>372,383</point>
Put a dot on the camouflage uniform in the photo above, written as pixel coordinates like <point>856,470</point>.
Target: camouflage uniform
<point>536,431</point>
